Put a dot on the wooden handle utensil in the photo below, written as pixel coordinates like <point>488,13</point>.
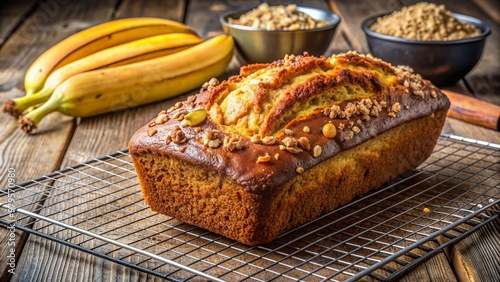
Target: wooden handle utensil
<point>473,110</point>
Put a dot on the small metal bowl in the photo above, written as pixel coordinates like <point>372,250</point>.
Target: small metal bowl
<point>441,62</point>
<point>254,45</point>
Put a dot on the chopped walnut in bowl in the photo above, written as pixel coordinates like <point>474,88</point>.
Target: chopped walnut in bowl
<point>440,45</point>
<point>269,33</point>
<point>278,18</point>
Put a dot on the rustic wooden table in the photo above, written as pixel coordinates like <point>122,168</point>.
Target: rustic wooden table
<point>28,27</point>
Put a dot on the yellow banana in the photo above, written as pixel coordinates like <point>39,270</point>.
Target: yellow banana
<point>93,39</point>
<point>100,91</point>
<point>131,52</point>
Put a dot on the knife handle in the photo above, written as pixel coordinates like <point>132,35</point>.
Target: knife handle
<point>473,110</point>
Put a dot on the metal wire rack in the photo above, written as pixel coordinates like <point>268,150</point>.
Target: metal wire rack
<point>97,207</point>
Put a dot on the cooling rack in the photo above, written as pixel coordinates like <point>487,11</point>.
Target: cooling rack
<point>97,207</point>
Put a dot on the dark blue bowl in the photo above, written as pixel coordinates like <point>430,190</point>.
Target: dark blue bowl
<point>441,62</point>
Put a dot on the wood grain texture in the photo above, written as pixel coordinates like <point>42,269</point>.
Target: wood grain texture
<point>477,262</point>
<point>11,15</point>
<point>93,137</point>
<point>472,110</point>
<point>42,152</point>
<point>490,7</point>
<point>436,268</point>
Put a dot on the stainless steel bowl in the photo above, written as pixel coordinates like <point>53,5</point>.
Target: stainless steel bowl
<point>255,45</point>
<point>442,62</point>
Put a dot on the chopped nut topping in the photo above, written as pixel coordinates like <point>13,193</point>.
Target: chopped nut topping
<point>294,150</point>
<point>304,143</point>
<point>329,130</point>
<point>161,112</point>
<point>209,85</point>
<point>168,139</point>
<point>152,131</point>
<point>341,126</point>
<point>288,132</point>
<point>215,143</point>
<point>411,80</point>
<point>161,118</point>
<point>211,140</point>
<point>255,139</point>
<point>306,129</point>
<point>263,159</point>
<point>178,136</point>
<point>282,147</point>
<point>396,107</point>
<point>277,156</point>
<point>183,148</point>
<point>180,114</point>
<point>190,101</point>
<point>419,93</point>
<point>363,109</point>
<point>299,170</point>
<point>349,135</point>
<point>392,114</point>
<point>317,151</point>
<point>359,121</point>
<point>175,107</point>
<point>211,134</point>
<point>152,124</point>
<point>233,142</point>
<point>349,110</point>
<point>269,140</point>
<point>197,129</point>
<point>334,111</point>
<point>356,129</point>
<point>433,94</point>
<point>289,142</point>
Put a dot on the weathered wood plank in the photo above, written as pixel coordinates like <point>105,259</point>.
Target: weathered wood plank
<point>35,155</point>
<point>12,14</point>
<point>436,268</point>
<point>477,262</point>
<point>94,137</point>
<point>490,7</point>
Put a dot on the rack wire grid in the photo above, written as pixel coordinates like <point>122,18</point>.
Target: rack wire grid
<point>97,207</point>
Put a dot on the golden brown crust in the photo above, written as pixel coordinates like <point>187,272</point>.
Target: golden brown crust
<point>263,141</point>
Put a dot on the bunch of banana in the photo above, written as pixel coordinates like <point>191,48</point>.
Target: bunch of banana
<point>134,51</point>
<point>94,39</point>
<point>104,90</point>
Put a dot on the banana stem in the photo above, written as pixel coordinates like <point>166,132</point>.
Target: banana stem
<point>17,106</point>
<point>30,121</point>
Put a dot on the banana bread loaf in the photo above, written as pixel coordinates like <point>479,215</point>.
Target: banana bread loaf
<point>283,143</point>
